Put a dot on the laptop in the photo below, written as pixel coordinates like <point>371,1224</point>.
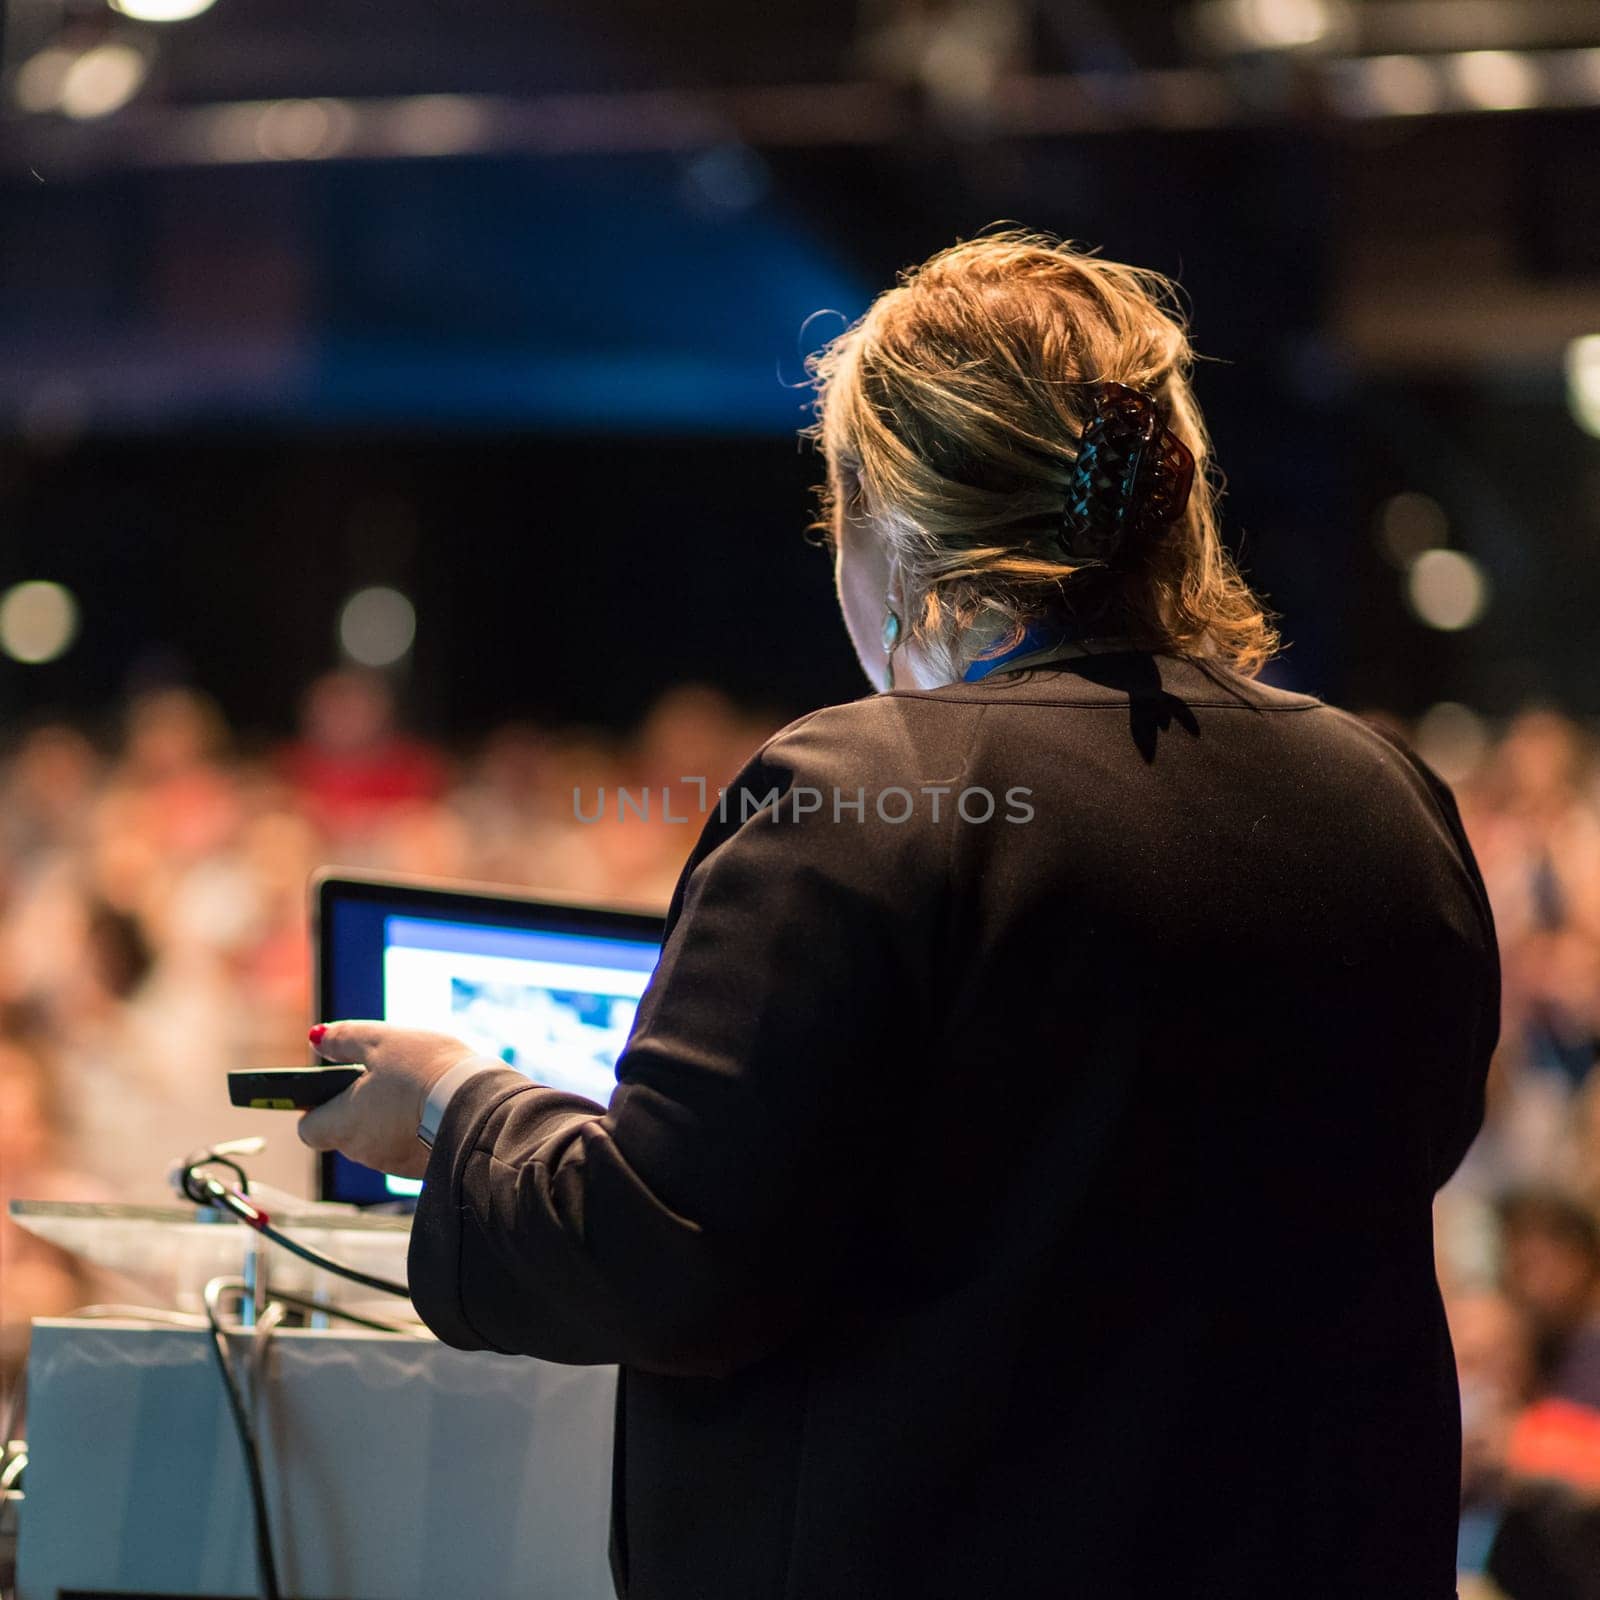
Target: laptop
<point>550,988</point>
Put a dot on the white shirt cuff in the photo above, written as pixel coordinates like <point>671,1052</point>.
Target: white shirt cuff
<point>444,1087</point>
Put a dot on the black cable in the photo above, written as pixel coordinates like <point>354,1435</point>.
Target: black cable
<point>305,1303</point>
<point>197,1188</point>
<point>328,1264</point>
<point>252,1452</point>
<point>207,1191</point>
<point>233,1167</point>
<point>265,1560</point>
<point>302,1302</point>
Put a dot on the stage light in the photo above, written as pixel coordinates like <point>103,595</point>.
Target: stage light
<point>1583,382</point>
<point>1453,740</point>
<point>377,626</point>
<point>37,85</point>
<point>1447,589</point>
<point>102,80</point>
<point>161,10</point>
<point>1496,80</point>
<point>38,620</point>
<point>1409,523</point>
<point>1399,86</point>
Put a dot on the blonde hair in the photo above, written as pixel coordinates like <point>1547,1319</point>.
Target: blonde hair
<point>953,408</point>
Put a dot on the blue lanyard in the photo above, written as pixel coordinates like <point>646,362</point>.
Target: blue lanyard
<point>1039,636</point>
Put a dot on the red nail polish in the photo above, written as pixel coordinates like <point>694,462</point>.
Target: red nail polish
<point>317,1032</point>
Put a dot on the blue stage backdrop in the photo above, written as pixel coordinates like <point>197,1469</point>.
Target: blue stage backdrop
<point>610,294</point>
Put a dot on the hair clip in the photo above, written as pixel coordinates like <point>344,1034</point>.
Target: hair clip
<point>1132,475</point>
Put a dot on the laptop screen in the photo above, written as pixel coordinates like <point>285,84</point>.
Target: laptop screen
<point>549,989</point>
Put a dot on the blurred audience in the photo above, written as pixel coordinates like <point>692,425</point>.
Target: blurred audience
<point>1550,1270</point>
<point>36,1279</point>
<point>1519,1227</point>
<point>352,768</point>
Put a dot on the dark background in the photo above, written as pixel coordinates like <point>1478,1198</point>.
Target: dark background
<point>549,384</point>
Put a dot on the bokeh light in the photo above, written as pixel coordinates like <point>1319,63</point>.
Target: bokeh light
<point>1447,589</point>
<point>1400,86</point>
<point>1496,80</point>
<point>728,177</point>
<point>1583,382</point>
<point>102,80</point>
<point>38,621</point>
<point>436,125</point>
<point>377,626</point>
<point>161,10</point>
<point>1408,524</point>
<point>1282,24</point>
<point>37,85</point>
<point>302,130</point>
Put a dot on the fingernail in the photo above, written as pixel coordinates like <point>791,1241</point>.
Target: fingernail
<point>318,1031</point>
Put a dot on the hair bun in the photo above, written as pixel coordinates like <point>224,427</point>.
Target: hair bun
<point>1132,475</point>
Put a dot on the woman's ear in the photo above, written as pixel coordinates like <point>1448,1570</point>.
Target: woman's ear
<point>844,485</point>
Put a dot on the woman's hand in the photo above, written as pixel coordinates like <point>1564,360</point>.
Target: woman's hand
<point>375,1120</point>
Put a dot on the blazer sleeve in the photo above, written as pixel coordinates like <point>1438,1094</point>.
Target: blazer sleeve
<point>693,1225</point>
<point>1458,1131</point>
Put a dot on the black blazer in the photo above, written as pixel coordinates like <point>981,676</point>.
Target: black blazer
<point>1032,1206</point>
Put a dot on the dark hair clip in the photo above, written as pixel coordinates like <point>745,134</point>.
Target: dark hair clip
<point>1132,476</point>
